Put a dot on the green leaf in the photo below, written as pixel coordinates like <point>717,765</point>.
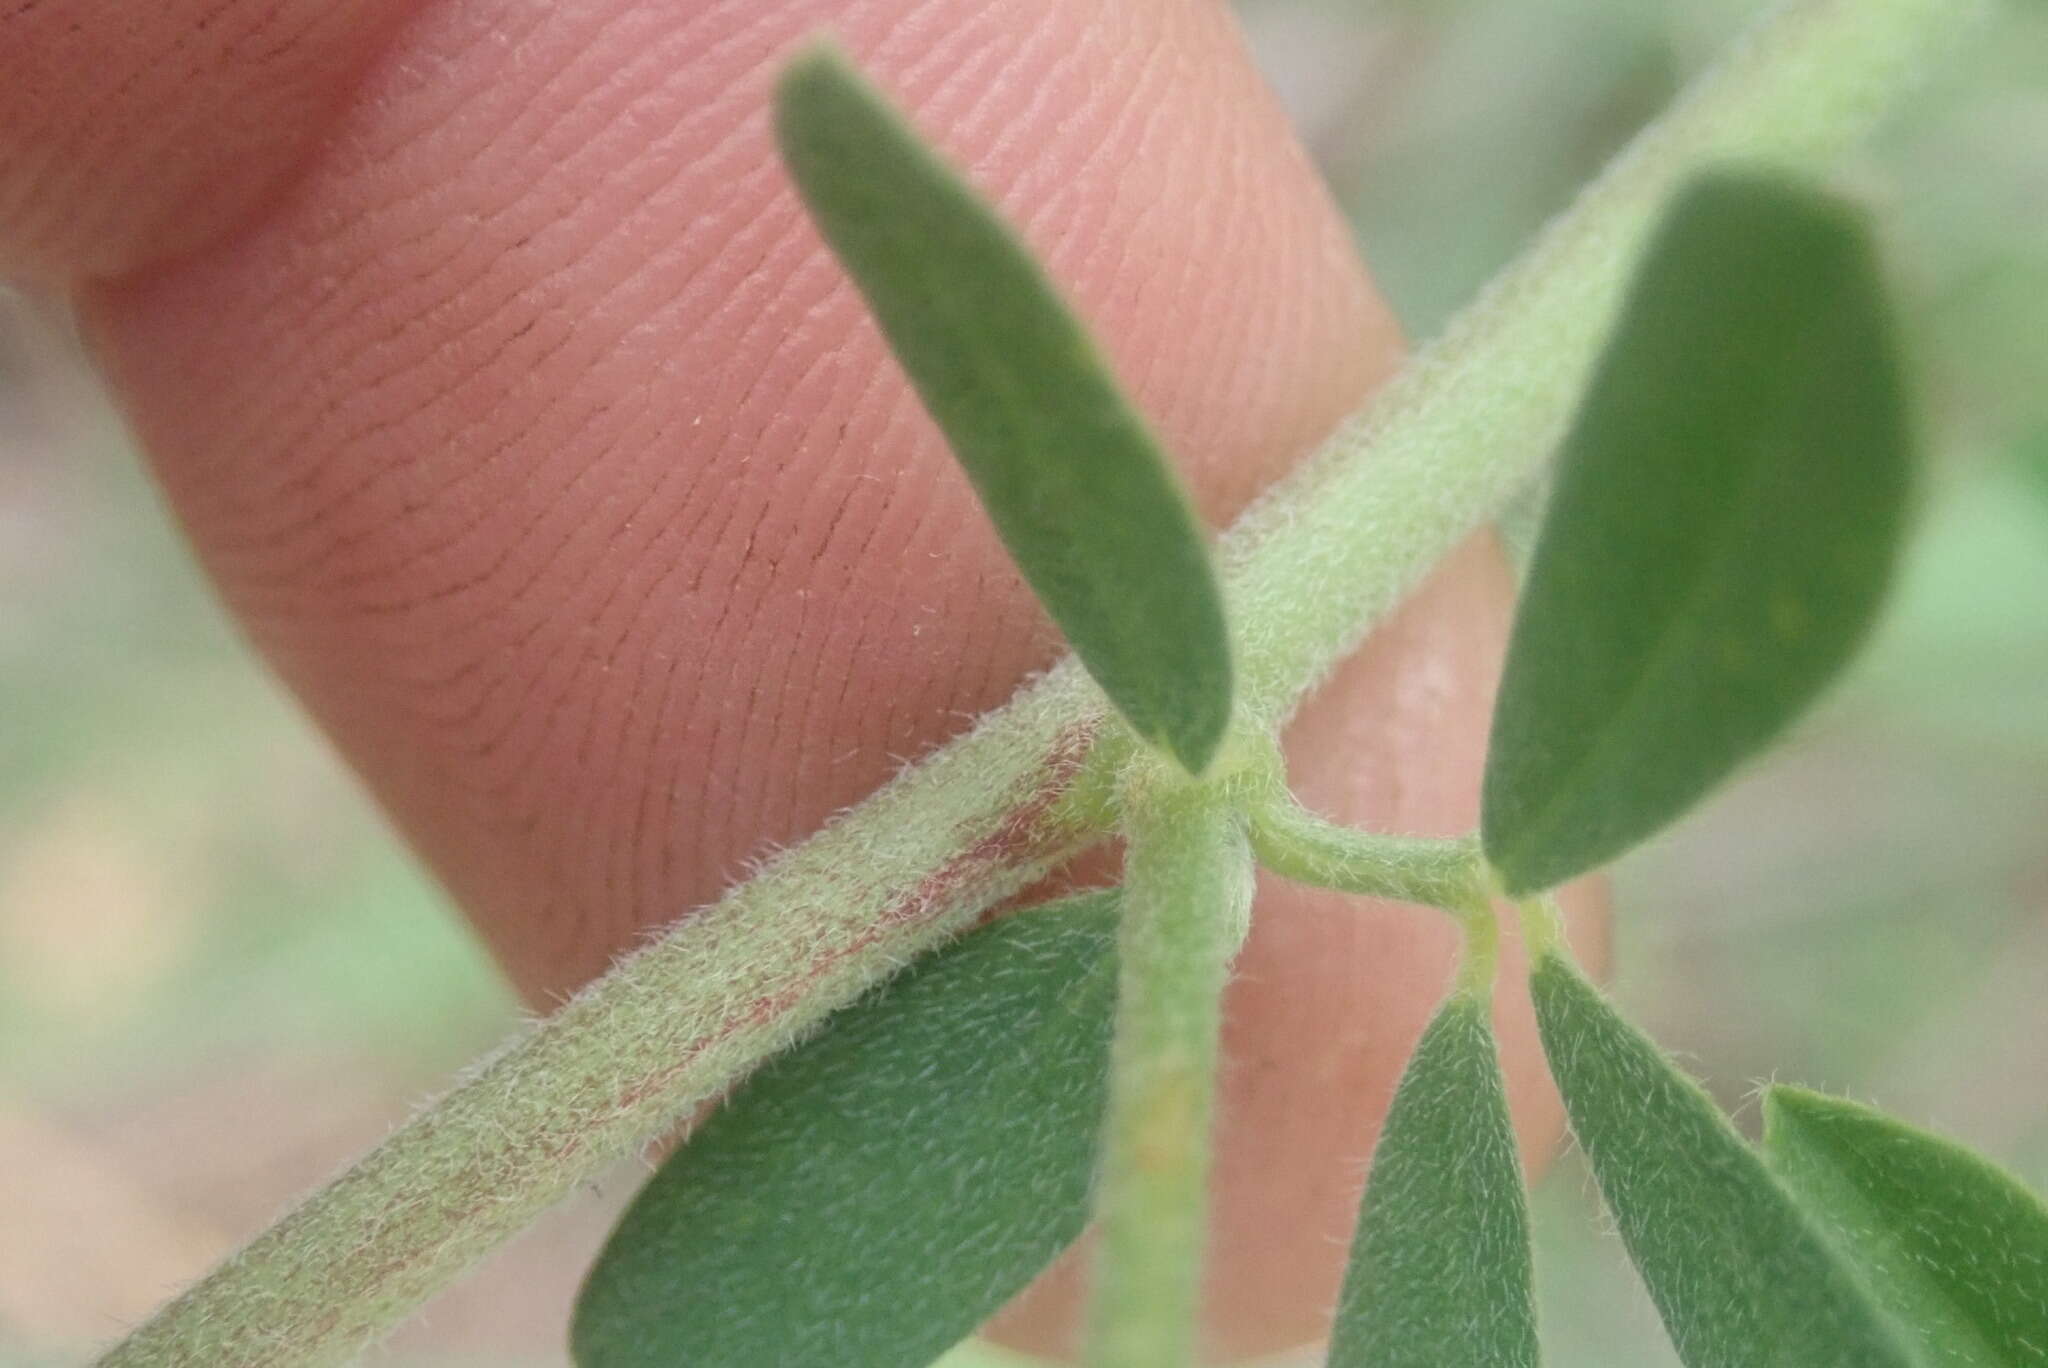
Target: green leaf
<point>2032,454</point>
<point>1738,1273</point>
<point>1956,1247</point>
<point>1074,482</point>
<point>1728,509</point>
<point>1440,1269</point>
<point>872,1197</point>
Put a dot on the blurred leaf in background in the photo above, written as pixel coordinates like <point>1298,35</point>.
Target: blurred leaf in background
<point>1451,131</point>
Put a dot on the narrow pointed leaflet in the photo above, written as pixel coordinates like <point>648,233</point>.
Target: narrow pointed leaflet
<point>1440,1265</point>
<point>1077,488</point>
<point>872,1197</point>
<point>1956,1248</point>
<point>1740,1276</point>
<point>1726,516</point>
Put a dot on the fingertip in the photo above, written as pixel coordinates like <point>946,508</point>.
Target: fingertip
<point>131,133</point>
<point>545,450</point>
<point>538,439</point>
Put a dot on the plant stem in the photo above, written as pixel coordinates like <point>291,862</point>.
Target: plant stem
<point>1481,951</point>
<point>1469,421</point>
<point>1297,844</point>
<point>665,1030</point>
<point>1187,903</point>
<point>1543,928</point>
<point>1310,570</point>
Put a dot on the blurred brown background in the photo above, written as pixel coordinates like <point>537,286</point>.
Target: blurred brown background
<point>219,977</point>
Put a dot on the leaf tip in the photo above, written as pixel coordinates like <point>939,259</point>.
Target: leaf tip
<point>817,90</point>
<point>817,59</point>
<point>1782,1102</point>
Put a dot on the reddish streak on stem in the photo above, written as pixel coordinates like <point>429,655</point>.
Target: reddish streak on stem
<point>1025,833</point>
<point>1028,832</point>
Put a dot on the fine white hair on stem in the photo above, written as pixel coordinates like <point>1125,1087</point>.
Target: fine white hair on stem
<point>1309,569</point>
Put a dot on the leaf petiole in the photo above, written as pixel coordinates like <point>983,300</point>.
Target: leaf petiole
<point>1480,956</point>
<point>1299,845</point>
<point>1543,927</point>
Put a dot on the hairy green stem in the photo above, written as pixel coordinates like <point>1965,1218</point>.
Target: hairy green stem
<point>1543,928</point>
<point>1480,955</point>
<point>1309,570</point>
<point>1469,421</point>
<point>1299,845</point>
<point>1187,903</point>
<point>665,1030</point>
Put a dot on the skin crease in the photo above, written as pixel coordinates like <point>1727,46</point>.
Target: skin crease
<point>512,403</point>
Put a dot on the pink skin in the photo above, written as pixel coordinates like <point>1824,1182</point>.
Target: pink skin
<point>508,396</point>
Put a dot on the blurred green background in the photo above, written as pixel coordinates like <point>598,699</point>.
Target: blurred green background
<point>220,976</point>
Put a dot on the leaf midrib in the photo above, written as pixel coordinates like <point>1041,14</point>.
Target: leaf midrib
<point>1664,644</point>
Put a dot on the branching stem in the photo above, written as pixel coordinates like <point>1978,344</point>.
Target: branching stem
<point>1481,952</point>
<point>1543,928</point>
<point>1309,570</point>
<point>1187,903</point>
<point>1297,844</point>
